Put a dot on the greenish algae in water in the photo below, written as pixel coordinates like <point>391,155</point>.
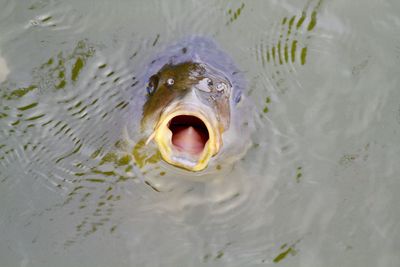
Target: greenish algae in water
<point>35,117</point>
<point>299,174</point>
<point>313,21</point>
<point>124,160</point>
<point>289,47</point>
<point>273,53</point>
<point>293,50</point>
<point>236,14</point>
<point>95,180</point>
<point>96,153</point>
<point>56,73</point>
<point>28,106</point>
<point>267,101</point>
<point>74,151</point>
<point>348,159</point>
<point>113,228</point>
<point>61,85</point>
<point>79,64</point>
<point>284,254</point>
<point>109,157</point>
<point>20,92</point>
<point>279,52</point>
<point>46,19</point>
<point>303,55</point>
<point>142,157</point>
<point>220,254</point>
<point>105,173</point>
<point>301,20</point>
<point>290,25</point>
<point>39,5</point>
<point>286,53</point>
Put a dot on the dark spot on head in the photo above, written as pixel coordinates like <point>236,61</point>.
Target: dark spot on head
<point>154,61</point>
<point>184,50</point>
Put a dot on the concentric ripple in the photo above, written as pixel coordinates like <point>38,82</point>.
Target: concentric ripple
<point>316,186</point>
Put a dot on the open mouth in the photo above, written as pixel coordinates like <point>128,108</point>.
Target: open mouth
<point>187,138</point>
<point>189,134</point>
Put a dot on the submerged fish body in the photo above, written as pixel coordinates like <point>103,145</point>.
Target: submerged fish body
<point>193,90</point>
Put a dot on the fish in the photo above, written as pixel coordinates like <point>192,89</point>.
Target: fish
<point>193,89</point>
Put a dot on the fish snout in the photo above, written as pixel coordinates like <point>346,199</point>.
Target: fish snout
<point>188,136</point>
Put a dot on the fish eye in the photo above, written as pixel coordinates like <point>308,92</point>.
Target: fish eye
<point>170,82</point>
<point>152,85</point>
<point>209,82</point>
<point>221,87</point>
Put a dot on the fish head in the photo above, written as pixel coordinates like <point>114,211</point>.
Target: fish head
<point>187,109</point>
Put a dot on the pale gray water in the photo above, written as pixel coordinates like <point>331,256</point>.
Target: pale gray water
<point>319,187</point>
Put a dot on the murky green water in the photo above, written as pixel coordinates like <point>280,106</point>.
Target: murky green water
<point>318,187</point>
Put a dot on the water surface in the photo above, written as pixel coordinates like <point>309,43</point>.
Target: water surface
<point>318,186</point>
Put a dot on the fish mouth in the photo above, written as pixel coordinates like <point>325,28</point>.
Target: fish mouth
<point>189,134</point>
<point>187,138</point>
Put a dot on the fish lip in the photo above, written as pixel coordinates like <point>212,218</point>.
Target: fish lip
<point>163,137</point>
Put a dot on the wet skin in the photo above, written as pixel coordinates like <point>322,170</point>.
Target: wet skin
<point>188,108</point>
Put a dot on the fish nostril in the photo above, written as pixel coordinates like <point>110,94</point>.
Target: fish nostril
<point>204,85</point>
<point>221,87</point>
